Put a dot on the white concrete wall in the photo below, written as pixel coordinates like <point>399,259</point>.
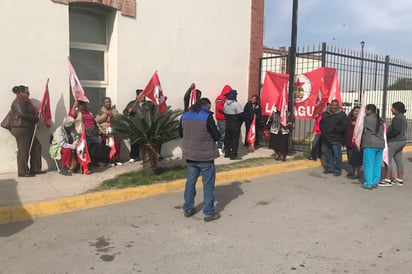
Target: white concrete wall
<point>186,41</point>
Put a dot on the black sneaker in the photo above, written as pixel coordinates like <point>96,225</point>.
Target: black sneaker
<point>65,172</point>
<point>398,181</point>
<point>327,172</point>
<point>385,182</point>
<point>212,217</point>
<point>336,174</point>
<point>190,212</point>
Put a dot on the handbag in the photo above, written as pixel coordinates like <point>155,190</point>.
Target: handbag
<point>6,123</point>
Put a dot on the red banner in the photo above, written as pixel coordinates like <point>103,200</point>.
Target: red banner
<point>312,91</point>
<point>154,92</point>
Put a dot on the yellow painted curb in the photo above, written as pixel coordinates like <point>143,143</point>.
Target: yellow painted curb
<point>22,212</point>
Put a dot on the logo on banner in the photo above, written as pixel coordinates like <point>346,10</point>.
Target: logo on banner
<point>303,88</point>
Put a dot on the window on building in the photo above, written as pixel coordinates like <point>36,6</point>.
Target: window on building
<point>89,43</point>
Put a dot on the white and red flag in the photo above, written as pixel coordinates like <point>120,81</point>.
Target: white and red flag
<point>154,92</point>
<point>251,135</point>
<point>385,155</point>
<point>193,97</point>
<point>284,107</point>
<point>44,109</point>
<point>358,130</point>
<point>83,153</point>
<point>77,89</point>
<point>110,138</point>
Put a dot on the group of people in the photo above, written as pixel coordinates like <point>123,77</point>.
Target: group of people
<point>23,117</point>
<point>335,129</point>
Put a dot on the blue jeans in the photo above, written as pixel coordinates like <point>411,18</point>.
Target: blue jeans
<point>333,157</point>
<point>315,147</point>
<point>372,162</point>
<point>208,177</point>
<point>221,125</point>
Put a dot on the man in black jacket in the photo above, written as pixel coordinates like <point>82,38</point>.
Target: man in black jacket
<point>333,126</point>
<point>200,134</point>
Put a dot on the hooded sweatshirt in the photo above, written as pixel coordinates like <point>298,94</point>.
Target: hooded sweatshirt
<point>220,102</point>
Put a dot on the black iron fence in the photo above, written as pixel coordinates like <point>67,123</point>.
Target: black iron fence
<point>383,79</point>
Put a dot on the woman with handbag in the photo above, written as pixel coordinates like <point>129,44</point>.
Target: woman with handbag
<point>23,119</point>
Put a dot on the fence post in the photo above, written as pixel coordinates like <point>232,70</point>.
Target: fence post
<point>323,54</point>
<point>385,87</point>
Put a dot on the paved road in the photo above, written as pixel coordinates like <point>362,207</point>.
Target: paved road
<point>298,222</point>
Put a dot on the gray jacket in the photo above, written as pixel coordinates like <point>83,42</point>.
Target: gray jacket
<point>397,129</point>
<point>371,138</point>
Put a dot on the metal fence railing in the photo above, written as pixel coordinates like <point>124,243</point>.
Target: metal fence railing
<point>383,79</point>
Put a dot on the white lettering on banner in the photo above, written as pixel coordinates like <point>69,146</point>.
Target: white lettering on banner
<point>271,110</point>
<point>304,111</point>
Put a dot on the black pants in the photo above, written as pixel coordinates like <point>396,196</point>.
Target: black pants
<point>232,141</point>
<point>135,151</point>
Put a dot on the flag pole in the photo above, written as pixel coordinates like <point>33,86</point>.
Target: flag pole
<point>37,125</point>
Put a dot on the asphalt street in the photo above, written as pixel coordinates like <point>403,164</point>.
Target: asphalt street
<point>296,222</point>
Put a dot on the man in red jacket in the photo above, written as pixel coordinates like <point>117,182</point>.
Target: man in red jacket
<point>220,117</point>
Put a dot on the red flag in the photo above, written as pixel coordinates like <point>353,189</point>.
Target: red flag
<point>193,98</point>
<point>154,92</point>
<point>312,91</point>
<point>44,109</point>
<point>271,98</point>
<point>251,135</point>
<point>284,107</point>
<point>83,153</point>
<point>110,139</point>
<point>358,130</point>
<point>77,89</point>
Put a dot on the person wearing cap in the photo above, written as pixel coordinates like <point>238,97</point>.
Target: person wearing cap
<point>234,115</point>
<point>199,133</point>
<point>220,116</point>
<point>130,111</point>
<point>106,112</point>
<point>63,146</point>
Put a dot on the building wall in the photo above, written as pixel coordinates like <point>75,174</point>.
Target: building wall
<point>186,41</point>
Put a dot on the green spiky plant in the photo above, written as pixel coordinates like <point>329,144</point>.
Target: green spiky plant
<point>150,130</point>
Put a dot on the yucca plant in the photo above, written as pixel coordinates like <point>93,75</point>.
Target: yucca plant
<point>150,130</point>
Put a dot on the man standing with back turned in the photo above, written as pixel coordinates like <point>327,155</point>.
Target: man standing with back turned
<point>200,134</point>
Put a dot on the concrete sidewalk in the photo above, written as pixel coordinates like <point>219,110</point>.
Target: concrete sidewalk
<point>52,193</point>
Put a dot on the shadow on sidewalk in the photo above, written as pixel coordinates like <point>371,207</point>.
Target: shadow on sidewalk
<point>227,193</point>
<point>9,196</point>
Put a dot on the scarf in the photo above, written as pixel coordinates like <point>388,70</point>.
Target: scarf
<point>25,98</point>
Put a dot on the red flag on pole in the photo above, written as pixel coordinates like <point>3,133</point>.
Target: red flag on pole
<point>251,135</point>
<point>358,130</point>
<point>83,153</point>
<point>154,92</point>
<point>77,89</point>
<point>44,109</point>
<point>193,98</point>
<point>284,107</point>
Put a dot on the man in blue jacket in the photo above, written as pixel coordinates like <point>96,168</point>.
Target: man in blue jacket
<point>200,134</point>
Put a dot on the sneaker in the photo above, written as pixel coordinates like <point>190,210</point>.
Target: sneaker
<point>119,164</point>
<point>212,217</point>
<point>327,172</point>
<point>385,182</point>
<point>336,174</point>
<point>190,213</point>
<point>112,165</point>
<point>367,187</point>
<point>398,181</point>
<point>220,152</point>
<point>132,160</point>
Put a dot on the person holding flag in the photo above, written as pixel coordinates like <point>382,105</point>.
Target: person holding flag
<point>103,117</point>
<point>192,95</point>
<point>279,135</point>
<point>252,111</point>
<point>23,119</point>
